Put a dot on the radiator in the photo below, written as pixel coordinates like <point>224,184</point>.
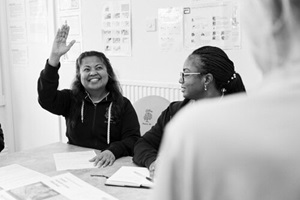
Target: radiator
<point>134,90</point>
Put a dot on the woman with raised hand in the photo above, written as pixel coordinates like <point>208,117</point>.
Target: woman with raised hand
<point>97,115</point>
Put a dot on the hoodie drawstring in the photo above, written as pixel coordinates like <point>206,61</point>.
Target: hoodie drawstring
<point>108,123</point>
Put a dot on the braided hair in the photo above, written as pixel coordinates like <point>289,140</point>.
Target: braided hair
<point>215,61</point>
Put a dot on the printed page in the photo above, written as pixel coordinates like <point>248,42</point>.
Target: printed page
<point>62,187</point>
<point>13,176</point>
<point>74,160</point>
<point>74,188</point>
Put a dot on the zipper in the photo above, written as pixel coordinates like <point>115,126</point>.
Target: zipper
<point>94,118</point>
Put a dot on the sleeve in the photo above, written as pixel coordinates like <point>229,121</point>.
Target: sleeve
<point>1,139</point>
<point>130,132</point>
<point>51,99</point>
<point>146,148</point>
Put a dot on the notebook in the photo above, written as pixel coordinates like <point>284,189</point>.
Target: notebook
<point>128,176</point>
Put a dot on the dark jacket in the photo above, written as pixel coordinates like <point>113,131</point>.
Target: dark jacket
<point>1,139</point>
<point>146,148</point>
<point>91,125</point>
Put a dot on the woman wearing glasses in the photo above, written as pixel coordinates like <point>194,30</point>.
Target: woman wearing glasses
<point>207,73</point>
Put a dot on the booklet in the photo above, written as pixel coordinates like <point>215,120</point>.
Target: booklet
<point>128,176</point>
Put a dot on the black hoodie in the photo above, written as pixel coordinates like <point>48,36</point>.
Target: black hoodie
<point>90,129</point>
<point>146,148</point>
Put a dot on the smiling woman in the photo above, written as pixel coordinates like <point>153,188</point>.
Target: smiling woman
<point>207,73</point>
<point>97,114</point>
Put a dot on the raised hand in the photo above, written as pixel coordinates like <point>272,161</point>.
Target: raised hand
<point>60,46</point>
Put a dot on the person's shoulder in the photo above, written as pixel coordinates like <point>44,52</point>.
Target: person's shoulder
<point>176,105</point>
<point>126,100</point>
<point>203,115</point>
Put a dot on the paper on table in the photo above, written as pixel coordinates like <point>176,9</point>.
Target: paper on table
<point>74,160</point>
<point>12,176</point>
<point>62,187</point>
<point>74,188</point>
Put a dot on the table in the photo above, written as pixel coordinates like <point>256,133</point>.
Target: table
<point>41,160</point>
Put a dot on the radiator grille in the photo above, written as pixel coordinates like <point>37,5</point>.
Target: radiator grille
<point>136,90</point>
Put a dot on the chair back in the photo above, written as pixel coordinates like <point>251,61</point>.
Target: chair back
<point>148,110</point>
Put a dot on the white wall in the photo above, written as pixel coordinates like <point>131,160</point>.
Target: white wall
<point>148,63</point>
<point>34,126</point>
<point>31,126</point>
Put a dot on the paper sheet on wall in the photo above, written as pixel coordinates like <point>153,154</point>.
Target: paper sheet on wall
<point>170,28</point>
<point>74,160</point>
<point>17,32</point>
<point>37,21</point>
<point>70,14</point>
<point>116,31</point>
<point>69,5</point>
<point>16,10</point>
<point>216,23</point>
<point>19,55</point>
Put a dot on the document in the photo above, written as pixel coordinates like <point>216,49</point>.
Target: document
<point>15,175</point>
<point>74,160</point>
<point>62,187</point>
<point>128,176</point>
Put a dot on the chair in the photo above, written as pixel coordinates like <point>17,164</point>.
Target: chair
<point>148,109</point>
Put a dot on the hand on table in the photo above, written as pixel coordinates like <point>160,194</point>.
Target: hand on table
<point>152,169</point>
<point>104,159</point>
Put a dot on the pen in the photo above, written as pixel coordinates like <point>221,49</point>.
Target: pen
<point>147,177</point>
<point>99,175</point>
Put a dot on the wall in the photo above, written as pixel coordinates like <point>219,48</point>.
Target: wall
<point>30,125</point>
<point>34,127</point>
<point>147,62</point>
<point>6,114</point>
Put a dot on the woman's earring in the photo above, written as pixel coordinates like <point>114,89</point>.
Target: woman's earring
<point>205,87</point>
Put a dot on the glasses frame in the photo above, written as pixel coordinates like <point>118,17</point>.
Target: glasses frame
<point>184,74</point>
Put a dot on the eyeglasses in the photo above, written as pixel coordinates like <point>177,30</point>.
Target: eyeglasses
<point>187,74</point>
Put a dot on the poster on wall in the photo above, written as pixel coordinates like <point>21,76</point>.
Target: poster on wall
<point>69,13</point>
<point>19,55</point>
<point>16,10</point>
<point>116,28</point>
<point>170,28</point>
<point>65,5</point>
<point>216,23</point>
<point>37,21</point>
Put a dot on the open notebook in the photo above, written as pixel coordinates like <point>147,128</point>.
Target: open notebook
<point>128,176</point>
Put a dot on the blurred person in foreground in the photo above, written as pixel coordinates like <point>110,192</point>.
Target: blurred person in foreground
<point>245,147</point>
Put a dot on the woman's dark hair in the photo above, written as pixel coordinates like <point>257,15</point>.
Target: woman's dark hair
<point>216,62</point>
<point>112,86</point>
